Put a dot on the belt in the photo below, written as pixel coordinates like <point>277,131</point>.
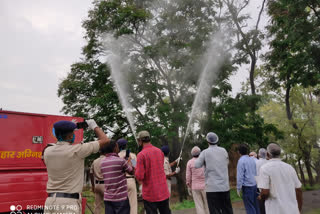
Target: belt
<point>129,176</point>
<point>64,195</point>
<point>99,182</point>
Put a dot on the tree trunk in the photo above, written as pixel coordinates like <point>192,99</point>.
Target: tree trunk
<point>303,179</point>
<point>317,168</point>
<point>252,69</point>
<point>306,155</point>
<point>176,148</point>
<point>305,151</point>
<point>309,170</point>
<point>318,172</point>
<point>315,137</point>
<point>234,156</point>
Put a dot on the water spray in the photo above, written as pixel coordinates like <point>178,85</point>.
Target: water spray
<point>214,60</point>
<point>123,95</point>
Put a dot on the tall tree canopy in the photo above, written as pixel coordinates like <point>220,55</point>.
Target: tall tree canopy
<point>294,56</point>
<point>162,46</point>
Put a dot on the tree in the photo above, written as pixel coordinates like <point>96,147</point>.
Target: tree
<point>161,45</point>
<point>235,123</point>
<point>300,144</point>
<point>249,39</point>
<point>87,92</point>
<point>293,59</point>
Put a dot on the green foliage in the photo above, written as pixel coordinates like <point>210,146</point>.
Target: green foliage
<point>298,143</point>
<point>188,204</point>
<point>295,42</point>
<point>87,92</point>
<point>316,211</point>
<point>162,46</point>
<point>164,43</point>
<point>123,17</point>
<point>310,188</point>
<point>293,64</point>
<point>234,195</point>
<point>234,122</point>
<point>185,204</point>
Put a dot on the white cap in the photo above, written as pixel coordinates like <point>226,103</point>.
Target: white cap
<point>212,138</point>
<point>195,151</point>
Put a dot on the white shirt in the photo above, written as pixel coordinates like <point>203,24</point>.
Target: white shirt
<point>282,180</point>
<point>215,161</point>
<point>259,164</point>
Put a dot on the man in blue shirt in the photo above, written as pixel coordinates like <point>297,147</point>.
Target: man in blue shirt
<point>246,172</point>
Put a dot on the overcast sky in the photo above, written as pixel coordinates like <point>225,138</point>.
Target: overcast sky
<point>40,39</point>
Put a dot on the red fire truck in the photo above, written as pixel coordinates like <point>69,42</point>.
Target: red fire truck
<point>23,175</point>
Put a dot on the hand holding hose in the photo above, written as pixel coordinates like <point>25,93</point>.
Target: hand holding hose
<point>178,160</point>
<point>177,170</point>
<point>91,124</point>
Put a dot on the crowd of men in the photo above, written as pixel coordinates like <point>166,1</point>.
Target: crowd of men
<point>265,183</point>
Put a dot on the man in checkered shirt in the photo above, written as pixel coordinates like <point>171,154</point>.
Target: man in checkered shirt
<point>150,172</point>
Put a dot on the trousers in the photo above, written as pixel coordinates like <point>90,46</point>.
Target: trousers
<point>219,202</point>
<point>154,207</point>
<point>132,194</point>
<point>262,205</point>
<point>169,185</point>
<point>249,196</point>
<point>98,202</point>
<point>119,207</point>
<point>62,205</point>
<point>200,200</point>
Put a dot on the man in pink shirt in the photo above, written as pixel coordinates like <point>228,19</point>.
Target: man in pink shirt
<point>196,183</point>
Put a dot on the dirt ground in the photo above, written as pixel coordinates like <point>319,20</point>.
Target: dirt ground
<point>311,202</point>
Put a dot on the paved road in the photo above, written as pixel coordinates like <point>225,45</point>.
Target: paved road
<point>311,201</point>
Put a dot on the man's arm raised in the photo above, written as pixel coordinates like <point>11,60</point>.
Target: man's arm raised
<point>102,137</point>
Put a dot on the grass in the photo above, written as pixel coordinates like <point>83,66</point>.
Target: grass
<point>316,211</point>
<point>234,196</point>
<point>309,188</point>
<point>188,204</point>
<point>89,195</point>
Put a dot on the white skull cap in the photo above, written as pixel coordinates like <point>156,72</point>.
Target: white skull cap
<point>195,151</point>
<point>212,138</point>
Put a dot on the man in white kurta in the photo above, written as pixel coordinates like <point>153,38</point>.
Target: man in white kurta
<point>259,163</point>
<point>262,160</point>
<point>279,185</point>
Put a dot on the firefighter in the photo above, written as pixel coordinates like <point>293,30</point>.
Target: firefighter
<point>131,181</point>
<point>97,182</point>
<point>65,167</point>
